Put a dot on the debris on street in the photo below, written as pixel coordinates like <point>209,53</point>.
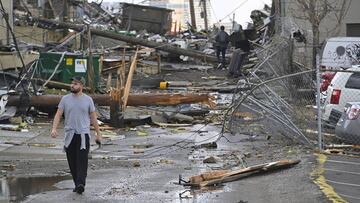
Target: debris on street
<point>177,89</point>
<point>219,177</point>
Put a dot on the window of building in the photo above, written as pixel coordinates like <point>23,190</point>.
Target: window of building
<point>353,30</point>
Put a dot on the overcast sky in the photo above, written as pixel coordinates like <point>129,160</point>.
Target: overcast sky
<point>223,9</point>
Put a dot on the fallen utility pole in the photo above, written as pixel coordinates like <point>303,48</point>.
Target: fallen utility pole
<point>132,40</point>
<point>134,100</point>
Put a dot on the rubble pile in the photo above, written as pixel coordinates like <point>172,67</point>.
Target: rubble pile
<point>142,77</point>
<point>39,79</point>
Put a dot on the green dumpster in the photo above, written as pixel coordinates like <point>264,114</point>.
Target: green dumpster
<point>72,65</point>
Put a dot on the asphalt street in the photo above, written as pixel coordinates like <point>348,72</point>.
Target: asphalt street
<point>343,174</point>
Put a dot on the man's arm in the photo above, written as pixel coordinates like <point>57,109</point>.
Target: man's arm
<point>93,117</point>
<point>217,37</point>
<point>56,121</point>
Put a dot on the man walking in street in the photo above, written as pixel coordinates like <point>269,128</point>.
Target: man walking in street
<point>222,41</point>
<point>79,111</point>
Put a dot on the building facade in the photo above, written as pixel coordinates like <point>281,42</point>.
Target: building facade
<point>338,22</point>
<point>181,16</point>
<point>5,36</point>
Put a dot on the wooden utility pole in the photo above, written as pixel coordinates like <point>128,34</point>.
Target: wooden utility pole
<point>192,14</point>
<point>277,15</point>
<point>205,15</point>
<point>209,58</point>
<point>116,108</point>
<point>65,14</point>
<point>90,69</point>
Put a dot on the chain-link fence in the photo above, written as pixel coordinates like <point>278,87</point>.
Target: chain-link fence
<point>276,97</point>
<point>280,97</point>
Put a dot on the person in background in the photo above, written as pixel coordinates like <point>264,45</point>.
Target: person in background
<point>240,55</point>
<point>222,41</point>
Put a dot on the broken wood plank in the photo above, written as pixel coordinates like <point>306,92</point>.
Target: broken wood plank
<point>238,174</point>
<point>342,146</point>
<point>172,125</point>
<point>56,84</point>
<point>103,128</point>
<point>108,82</point>
<point>129,81</point>
<point>46,145</point>
<point>208,176</point>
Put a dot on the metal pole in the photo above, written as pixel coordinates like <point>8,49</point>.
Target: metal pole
<point>318,102</point>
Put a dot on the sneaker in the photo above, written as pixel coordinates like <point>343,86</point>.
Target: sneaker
<point>80,189</point>
<point>219,66</point>
<point>75,190</point>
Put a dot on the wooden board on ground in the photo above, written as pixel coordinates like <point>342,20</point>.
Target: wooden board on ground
<point>213,178</point>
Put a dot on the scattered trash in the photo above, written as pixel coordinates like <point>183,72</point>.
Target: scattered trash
<point>143,146</point>
<point>16,120</point>
<point>210,160</point>
<point>165,161</point>
<point>12,127</point>
<point>172,125</point>
<point>212,145</point>
<point>139,151</point>
<point>136,164</point>
<point>9,167</point>
<point>142,133</point>
<point>46,145</point>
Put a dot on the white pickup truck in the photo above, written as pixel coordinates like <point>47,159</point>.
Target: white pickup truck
<point>339,53</point>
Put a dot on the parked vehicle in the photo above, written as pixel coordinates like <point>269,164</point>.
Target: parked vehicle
<point>326,80</point>
<point>337,53</point>
<point>340,53</point>
<point>344,87</point>
<point>348,127</point>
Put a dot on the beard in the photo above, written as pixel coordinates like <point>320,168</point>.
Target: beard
<point>75,91</point>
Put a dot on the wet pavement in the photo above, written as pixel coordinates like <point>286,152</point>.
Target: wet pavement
<point>343,174</point>
<point>18,188</point>
<point>120,172</point>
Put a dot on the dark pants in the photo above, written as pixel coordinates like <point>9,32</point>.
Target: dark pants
<point>238,60</point>
<point>78,159</point>
<point>223,51</point>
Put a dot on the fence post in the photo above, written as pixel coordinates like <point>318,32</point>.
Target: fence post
<point>318,105</point>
